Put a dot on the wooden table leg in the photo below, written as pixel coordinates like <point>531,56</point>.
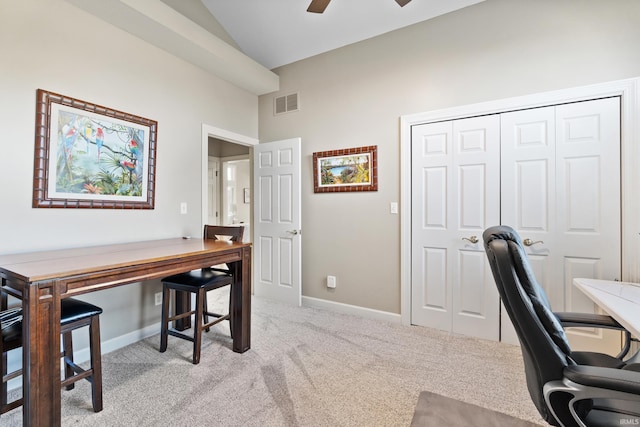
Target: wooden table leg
<point>41,355</point>
<point>182,305</point>
<point>241,310</point>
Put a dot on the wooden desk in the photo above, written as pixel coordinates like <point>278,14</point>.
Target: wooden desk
<point>621,300</point>
<point>42,279</point>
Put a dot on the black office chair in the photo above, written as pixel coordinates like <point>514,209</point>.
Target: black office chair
<point>74,314</point>
<point>199,282</point>
<point>568,388</point>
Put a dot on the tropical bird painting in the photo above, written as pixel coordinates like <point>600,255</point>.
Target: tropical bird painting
<point>109,160</point>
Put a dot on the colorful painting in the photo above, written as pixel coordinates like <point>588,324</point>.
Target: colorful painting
<point>97,157</point>
<point>353,169</point>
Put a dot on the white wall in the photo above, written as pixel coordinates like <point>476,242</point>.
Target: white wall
<point>52,45</point>
<point>354,96</point>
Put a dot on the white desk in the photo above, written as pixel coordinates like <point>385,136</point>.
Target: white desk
<point>621,300</point>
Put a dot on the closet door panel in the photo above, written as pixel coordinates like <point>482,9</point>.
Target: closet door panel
<point>475,300</point>
<point>432,220</point>
<point>588,193</point>
<point>455,195</point>
<point>528,201</point>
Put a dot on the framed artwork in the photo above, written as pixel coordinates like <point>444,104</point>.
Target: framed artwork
<point>89,156</point>
<point>351,169</point>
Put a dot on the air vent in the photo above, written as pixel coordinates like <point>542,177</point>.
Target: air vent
<point>286,103</point>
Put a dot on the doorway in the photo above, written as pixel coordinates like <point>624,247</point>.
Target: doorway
<point>220,146</point>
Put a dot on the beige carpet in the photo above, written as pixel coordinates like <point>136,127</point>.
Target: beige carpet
<point>306,367</point>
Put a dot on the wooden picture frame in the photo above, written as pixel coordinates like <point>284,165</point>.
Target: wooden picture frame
<point>351,169</point>
<point>90,156</point>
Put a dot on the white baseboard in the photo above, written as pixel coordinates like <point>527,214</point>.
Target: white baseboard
<point>355,310</point>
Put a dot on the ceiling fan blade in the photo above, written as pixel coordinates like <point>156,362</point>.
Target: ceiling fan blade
<point>318,6</point>
<point>402,3</point>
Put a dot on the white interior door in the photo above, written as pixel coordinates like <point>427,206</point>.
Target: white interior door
<point>455,196</point>
<point>561,192</point>
<point>553,173</point>
<point>277,221</point>
<point>589,206</point>
<point>528,201</point>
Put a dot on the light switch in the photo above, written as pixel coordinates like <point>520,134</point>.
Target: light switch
<point>183,208</point>
<point>393,207</point>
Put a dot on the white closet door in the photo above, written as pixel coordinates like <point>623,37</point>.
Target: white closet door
<point>528,201</point>
<point>589,205</point>
<point>432,171</point>
<point>552,173</point>
<point>456,179</point>
<point>561,191</point>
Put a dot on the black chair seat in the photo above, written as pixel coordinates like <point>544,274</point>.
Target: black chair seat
<point>207,278</point>
<point>596,359</point>
<point>73,310</point>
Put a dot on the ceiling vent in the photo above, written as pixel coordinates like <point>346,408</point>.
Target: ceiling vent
<point>286,103</point>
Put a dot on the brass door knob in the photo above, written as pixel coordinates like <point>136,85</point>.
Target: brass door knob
<point>529,242</point>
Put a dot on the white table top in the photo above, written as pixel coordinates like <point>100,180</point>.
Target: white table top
<point>621,300</point>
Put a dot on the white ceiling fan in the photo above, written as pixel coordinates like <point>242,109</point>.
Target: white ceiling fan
<point>318,6</point>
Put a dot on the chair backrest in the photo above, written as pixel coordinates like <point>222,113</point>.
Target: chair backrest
<point>216,231</point>
<point>545,349</point>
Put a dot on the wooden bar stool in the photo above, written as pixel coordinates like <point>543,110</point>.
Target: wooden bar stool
<point>74,314</point>
<point>198,282</point>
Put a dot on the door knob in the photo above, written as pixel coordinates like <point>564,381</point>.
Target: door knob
<point>294,232</point>
<point>472,239</point>
<point>529,242</point>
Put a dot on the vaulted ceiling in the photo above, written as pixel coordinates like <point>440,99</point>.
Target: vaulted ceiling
<point>278,32</point>
<point>241,41</point>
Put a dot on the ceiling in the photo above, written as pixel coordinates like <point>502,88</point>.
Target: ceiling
<point>279,32</point>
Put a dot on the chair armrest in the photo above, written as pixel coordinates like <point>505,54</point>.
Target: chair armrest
<point>627,381</point>
<point>588,320</point>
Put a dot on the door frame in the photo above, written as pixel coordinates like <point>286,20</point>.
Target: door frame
<point>629,92</point>
<point>225,135</point>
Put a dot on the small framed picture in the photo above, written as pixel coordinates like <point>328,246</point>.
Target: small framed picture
<point>351,169</point>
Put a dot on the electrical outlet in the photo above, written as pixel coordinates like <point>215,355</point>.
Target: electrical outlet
<point>158,298</point>
<point>331,281</point>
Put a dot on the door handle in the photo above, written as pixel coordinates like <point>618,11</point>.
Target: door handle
<point>529,242</point>
<point>294,232</point>
<point>472,239</point>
